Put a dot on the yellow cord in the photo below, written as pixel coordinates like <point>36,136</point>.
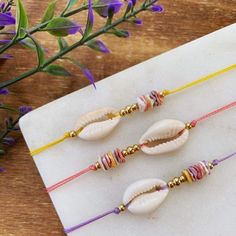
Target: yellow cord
<point>45,147</point>
<point>67,135</point>
<point>165,93</point>
<point>198,81</point>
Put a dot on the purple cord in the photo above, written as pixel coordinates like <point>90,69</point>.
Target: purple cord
<point>114,211</point>
<point>217,161</point>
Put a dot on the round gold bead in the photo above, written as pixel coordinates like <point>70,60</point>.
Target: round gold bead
<point>134,107</point>
<point>128,109</point>
<point>182,179</point>
<point>170,184</point>
<point>122,112</point>
<point>176,181</point>
<point>124,153</point>
<point>122,207</point>
<point>188,126</point>
<point>136,147</point>
<point>130,150</point>
<point>162,94</point>
<point>211,166</point>
<point>72,134</point>
<point>97,165</point>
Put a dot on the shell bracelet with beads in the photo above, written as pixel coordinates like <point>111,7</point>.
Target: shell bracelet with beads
<point>145,196</point>
<point>98,124</point>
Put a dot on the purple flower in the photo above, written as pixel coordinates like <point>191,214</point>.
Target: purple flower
<point>6,19</point>
<point>2,169</point>
<point>157,8</point>
<point>137,21</point>
<point>5,56</point>
<point>89,75</point>
<point>4,41</point>
<point>102,6</point>
<point>74,29</point>
<point>4,91</point>
<point>24,110</point>
<point>9,141</point>
<point>90,13</point>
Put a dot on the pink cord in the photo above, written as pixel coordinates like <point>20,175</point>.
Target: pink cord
<point>226,107</point>
<point>64,181</point>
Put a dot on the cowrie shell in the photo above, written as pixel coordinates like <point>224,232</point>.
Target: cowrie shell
<point>164,136</point>
<point>97,124</point>
<point>143,196</point>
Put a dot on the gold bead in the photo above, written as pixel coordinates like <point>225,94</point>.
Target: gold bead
<point>97,165</point>
<point>134,107</point>
<point>124,153</point>
<point>136,147</point>
<point>176,181</point>
<point>162,93</point>
<point>122,207</point>
<point>170,184</point>
<point>182,179</point>
<point>188,126</point>
<point>211,166</point>
<point>122,112</point>
<point>130,150</point>
<point>72,134</point>
<point>128,109</point>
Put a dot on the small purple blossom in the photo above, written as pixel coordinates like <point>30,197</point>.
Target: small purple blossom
<point>9,141</point>
<point>6,19</point>
<point>105,5</point>
<point>5,56</point>
<point>133,2</point>
<point>4,91</point>
<point>157,8</point>
<point>24,110</point>
<point>102,47</point>
<point>2,169</point>
<point>74,29</point>
<point>137,21</point>
<point>89,75</point>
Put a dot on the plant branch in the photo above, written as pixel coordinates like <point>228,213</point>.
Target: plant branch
<point>63,52</point>
<point>39,27</point>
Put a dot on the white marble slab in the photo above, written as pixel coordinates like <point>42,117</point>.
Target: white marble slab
<point>205,208</point>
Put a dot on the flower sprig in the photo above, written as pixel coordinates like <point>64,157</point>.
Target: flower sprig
<point>10,123</point>
<point>61,26</point>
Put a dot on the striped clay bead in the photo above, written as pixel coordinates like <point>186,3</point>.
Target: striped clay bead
<point>146,102</point>
<point>111,159</point>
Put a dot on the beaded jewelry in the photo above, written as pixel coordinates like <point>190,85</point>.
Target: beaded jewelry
<point>145,196</point>
<point>98,124</point>
<point>163,136</point>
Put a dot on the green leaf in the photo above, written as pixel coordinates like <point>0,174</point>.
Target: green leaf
<point>56,70</point>
<point>49,13</point>
<point>120,33</point>
<point>61,27</point>
<point>22,19</point>
<point>40,51</point>
<point>62,43</point>
<point>69,5</point>
<point>97,45</point>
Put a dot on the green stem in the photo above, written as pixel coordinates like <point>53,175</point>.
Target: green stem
<point>75,45</point>
<point>39,27</point>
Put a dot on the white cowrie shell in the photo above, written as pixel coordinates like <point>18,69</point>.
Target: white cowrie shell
<point>143,197</point>
<point>169,135</point>
<point>96,124</point>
